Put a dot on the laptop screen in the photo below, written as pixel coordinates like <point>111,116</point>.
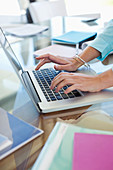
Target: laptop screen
<point>9,52</point>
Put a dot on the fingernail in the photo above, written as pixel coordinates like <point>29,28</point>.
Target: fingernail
<point>56,90</point>
<point>65,92</point>
<point>51,87</point>
<point>56,67</point>
<point>36,56</point>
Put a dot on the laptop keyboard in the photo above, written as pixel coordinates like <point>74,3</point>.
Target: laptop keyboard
<point>44,78</point>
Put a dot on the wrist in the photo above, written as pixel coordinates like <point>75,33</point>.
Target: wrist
<point>81,61</point>
<point>77,63</point>
<point>89,54</point>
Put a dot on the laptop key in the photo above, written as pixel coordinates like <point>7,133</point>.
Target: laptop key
<point>64,96</point>
<point>53,98</point>
<point>76,93</point>
<point>59,97</point>
<point>71,95</point>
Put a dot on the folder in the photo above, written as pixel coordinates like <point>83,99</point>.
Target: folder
<point>57,153</point>
<point>92,152</point>
<point>74,37</point>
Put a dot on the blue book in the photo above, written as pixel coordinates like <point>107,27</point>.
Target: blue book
<point>14,133</point>
<point>74,37</point>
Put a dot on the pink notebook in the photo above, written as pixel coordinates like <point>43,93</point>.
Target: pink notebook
<point>92,152</point>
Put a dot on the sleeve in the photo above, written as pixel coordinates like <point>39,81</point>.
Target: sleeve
<point>104,41</point>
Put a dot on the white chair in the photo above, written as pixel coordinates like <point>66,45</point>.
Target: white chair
<point>45,10</point>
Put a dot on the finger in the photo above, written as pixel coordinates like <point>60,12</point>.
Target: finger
<point>41,63</point>
<point>56,81</point>
<point>62,84</point>
<point>60,77</point>
<point>73,87</point>
<point>55,59</point>
<point>62,67</point>
<point>42,56</point>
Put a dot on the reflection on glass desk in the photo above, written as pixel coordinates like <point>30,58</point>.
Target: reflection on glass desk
<point>13,96</point>
<point>17,131</point>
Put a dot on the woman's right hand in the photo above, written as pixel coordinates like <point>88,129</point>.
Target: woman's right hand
<point>63,63</point>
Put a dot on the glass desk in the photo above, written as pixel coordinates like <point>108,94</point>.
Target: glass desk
<point>15,100</point>
<point>24,48</point>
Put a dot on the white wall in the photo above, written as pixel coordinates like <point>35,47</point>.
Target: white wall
<point>10,11</point>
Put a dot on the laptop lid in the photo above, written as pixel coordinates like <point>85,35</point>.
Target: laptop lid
<point>10,53</point>
<point>23,75</point>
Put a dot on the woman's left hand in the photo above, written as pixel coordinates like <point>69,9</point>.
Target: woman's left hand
<point>77,81</point>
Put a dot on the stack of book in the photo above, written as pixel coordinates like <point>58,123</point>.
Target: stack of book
<point>92,151</point>
<point>74,37</point>
<point>73,147</point>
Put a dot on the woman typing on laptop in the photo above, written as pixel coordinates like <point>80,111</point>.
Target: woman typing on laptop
<point>99,48</point>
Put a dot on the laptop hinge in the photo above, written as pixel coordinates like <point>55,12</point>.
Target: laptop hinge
<point>30,87</point>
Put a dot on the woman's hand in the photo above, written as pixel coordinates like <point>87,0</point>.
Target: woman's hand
<point>63,63</point>
<point>77,81</point>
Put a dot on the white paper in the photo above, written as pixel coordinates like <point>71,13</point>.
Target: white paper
<point>56,49</point>
<point>99,67</point>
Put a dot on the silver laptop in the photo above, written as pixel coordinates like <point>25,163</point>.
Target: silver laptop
<point>37,85</point>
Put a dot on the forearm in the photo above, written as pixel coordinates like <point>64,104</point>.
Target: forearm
<point>106,79</point>
<point>101,46</point>
<point>89,54</point>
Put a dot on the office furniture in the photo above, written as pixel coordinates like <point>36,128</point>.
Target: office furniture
<point>14,98</point>
<point>45,10</point>
<point>25,15</point>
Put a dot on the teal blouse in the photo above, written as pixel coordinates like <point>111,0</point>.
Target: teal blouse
<point>104,41</point>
